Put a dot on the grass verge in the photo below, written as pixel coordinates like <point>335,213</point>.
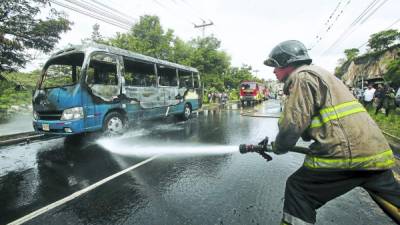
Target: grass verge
<point>390,123</point>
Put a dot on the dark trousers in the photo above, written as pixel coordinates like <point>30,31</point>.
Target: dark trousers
<point>367,104</point>
<point>380,106</point>
<point>307,190</point>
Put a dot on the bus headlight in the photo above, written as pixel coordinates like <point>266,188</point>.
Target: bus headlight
<point>72,114</point>
<point>35,115</point>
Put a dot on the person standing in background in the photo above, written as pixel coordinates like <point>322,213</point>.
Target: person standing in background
<point>389,100</point>
<point>379,96</point>
<point>368,96</point>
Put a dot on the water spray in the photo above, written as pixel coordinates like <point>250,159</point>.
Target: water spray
<point>144,148</point>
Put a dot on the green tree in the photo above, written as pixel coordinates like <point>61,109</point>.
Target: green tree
<point>210,61</point>
<point>351,53</point>
<point>382,40</point>
<point>96,36</point>
<point>236,75</point>
<point>208,56</point>
<point>146,37</point>
<point>181,52</point>
<point>339,70</point>
<point>393,73</point>
<point>21,30</point>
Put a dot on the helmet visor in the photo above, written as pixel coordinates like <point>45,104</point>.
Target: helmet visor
<point>271,62</point>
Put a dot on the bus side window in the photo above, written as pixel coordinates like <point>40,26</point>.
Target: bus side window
<point>167,76</point>
<point>138,73</point>
<point>101,76</point>
<point>185,79</point>
<point>102,70</point>
<point>151,80</point>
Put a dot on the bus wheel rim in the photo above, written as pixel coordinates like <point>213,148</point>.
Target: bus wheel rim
<point>187,111</point>
<point>115,125</point>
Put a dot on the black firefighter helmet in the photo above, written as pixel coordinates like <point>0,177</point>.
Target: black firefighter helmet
<point>288,53</point>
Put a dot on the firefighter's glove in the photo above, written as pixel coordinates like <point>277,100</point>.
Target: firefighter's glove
<point>273,148</point>
<point>270,148</point>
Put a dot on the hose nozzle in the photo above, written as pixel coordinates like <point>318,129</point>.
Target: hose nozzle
<point>244,148</point>
<point>260,149</point>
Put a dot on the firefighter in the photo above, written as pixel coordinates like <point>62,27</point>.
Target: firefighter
<point>348,148</point>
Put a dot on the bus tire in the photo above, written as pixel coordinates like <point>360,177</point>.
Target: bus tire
<point>187,111</point>
<point>114,124</point>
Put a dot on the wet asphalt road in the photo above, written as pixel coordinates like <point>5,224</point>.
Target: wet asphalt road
<point>18,123</point>
<point>226,188</point>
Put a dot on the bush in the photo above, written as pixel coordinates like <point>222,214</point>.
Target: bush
<point>9,96</point>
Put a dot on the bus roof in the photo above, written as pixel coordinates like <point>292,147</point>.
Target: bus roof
<point>122,52</point>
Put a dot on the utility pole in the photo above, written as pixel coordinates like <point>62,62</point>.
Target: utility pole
<point>203,26</point>
<point>256,71</point>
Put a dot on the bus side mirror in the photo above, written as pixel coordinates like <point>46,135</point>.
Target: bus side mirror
<point>178,97</point>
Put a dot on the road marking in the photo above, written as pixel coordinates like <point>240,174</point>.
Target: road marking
<point>78,193</point>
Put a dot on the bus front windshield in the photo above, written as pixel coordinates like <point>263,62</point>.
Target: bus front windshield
<point>62,71</point>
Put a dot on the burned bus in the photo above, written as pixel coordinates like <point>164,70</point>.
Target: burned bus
<point>97,87</point>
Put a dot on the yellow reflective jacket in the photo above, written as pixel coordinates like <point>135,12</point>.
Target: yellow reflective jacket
<point>320,107</point>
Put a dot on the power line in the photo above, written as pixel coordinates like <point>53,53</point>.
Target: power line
<point>364,15</point>
<point>114,10</point>
<point>351,25</point>
<point>330,23</point>
<point>394,23</point>
<point>93,9</point>
<point>198,14</point>
<point>373,12</point>
<point>170,11</point>
<point>333,13</point>
<point>110,13</point>
<point>369,7</point>
<point>94,16</point>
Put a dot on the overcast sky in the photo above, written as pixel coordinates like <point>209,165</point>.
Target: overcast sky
<point>249,29</point>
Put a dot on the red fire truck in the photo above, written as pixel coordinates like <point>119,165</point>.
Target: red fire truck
<point>252,92</point>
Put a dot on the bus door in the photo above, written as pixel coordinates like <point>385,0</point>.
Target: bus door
<point>185,83</point>
<point>198,90</point>
<point>145,87</point>
<point>103,80</point>
<point>168,87</point>
<point>140,87</point>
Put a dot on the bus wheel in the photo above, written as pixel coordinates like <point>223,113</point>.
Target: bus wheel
<point>114,124</point>
<point>187,111</point>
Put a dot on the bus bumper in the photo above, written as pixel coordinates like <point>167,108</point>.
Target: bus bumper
<point>59,126</point>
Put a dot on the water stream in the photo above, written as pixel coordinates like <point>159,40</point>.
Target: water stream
<point>145,149</point>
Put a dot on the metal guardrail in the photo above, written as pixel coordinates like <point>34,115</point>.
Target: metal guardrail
<point>20,138</point>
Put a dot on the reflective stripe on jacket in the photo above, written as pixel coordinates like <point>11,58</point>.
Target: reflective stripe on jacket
<point>320,107</point>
